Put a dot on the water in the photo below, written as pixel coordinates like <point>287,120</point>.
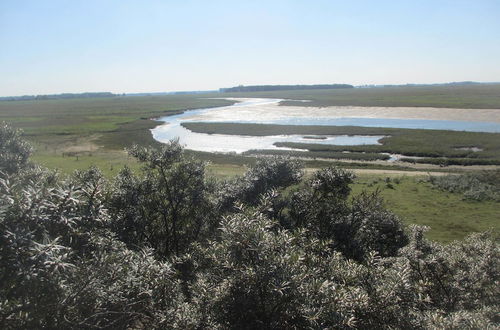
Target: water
<point>264,111</point>
<point>449,125</point>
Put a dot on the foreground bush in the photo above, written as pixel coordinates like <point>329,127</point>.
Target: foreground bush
<point>14,151</point>
<point>170,248</point>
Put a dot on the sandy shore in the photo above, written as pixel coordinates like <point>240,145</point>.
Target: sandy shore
<point>275,111</point>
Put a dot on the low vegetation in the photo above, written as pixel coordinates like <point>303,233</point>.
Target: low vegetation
<point>75,133</point>
<point>114,117</point>
<point>170,247</point>
<point>443,161</point>
<point>436,146</point>
<point>480,186</point>
<point>416,200</point>
<point>57,96</point>
<point>321,154</point>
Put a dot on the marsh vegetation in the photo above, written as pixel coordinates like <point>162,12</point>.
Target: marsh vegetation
<point>438,147</point>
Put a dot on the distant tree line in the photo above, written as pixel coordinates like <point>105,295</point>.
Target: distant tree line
<point>57,96</point>
<point>170,247</point>
<point>263,88</point>
<point>453,83</point>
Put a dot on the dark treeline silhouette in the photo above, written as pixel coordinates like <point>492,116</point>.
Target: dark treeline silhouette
<point>57,96</point>
<point>453,83</point>
<point>264,88</point>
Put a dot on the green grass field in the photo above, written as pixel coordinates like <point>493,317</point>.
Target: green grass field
<point>416,201</point>
<point>98,115</point>
<point>71,134</point>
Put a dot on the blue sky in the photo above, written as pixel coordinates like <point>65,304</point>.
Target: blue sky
<point>49,46</point>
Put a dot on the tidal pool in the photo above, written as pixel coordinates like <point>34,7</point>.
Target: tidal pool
<point>267,111</point>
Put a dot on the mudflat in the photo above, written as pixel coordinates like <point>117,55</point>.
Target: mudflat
<point>271,111</point>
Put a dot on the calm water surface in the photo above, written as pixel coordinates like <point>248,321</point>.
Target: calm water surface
<point>242,113</point>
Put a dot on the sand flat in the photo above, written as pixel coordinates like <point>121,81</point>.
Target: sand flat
<point>273,111</point>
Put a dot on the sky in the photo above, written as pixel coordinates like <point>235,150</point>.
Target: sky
<point>124,46</point>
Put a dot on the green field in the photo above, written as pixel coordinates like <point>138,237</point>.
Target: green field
<point>114,115</point>
<point>71,134</point>
<point>416,201</point>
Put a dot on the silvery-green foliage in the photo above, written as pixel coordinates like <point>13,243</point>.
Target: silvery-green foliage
<point>484,318</point>
<point>14,151</point>
<point>44,224</point>
<point>354,228</point>
<point>483,185</point>
<point>84,253</point>
<point>93,190</point>
<point>258,276</point>
<point>332,182</point>
<point>167,206</point>
<point>44,208</point>
<point>373,227</point>
<point>250,277</point>
<point>117,288</point>
<point>450,286</point>
<point>154,158</point>
<point>321,201</point>
<point>61,267</point>
<point>267,174</point>
<point>127,217</point>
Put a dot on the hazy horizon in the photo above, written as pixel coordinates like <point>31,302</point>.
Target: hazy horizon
<point>54,47</point>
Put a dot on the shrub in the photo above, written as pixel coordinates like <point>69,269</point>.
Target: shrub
<point>476,186</point>
<point>160,250</point>
<point>14,150</point>
<point>167,207</point>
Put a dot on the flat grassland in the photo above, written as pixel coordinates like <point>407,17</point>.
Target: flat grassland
<point>416,201</point>
<point>73,134</point>
<point>76,133</point>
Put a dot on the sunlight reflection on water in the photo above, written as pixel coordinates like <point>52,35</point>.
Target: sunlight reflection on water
<point>255,111</point>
